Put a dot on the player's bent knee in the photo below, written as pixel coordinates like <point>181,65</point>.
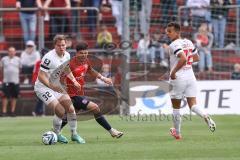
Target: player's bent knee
<point>93,108</point>
<point>96,109</point>
<point>67,104</point>
<point>191,101</point>
<point>71,109</point>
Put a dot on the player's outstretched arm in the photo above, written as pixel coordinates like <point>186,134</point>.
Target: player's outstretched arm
<point>93,72</point>
<point>96,74</point>
<point>105,79</point>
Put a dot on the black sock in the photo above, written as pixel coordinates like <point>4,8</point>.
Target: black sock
<point>64,121</point>
<point>102,121</point>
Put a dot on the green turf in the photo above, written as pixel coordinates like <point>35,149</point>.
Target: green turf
<point>20,139</point>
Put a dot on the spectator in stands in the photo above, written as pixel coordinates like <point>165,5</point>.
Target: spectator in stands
<point>75,18</point>
<point>166,7</point>
<point>117,12</point>
<point>157,49</point>
<point>185,18</point>
<point>236,73</point>
<point>104,37</point>
<point>106,6</point>
<point>28,18</point>
<point>58,19</point>
<point>200,12</point>
<point>92,14</point>
<point>145,16</point>
<point>10,65</point>
<point>143,51</point>
<point>238,3</point>
<point>219,19</point>
<point>204,41</point>
<point>39,107</point>
<point>69,42</point>
<point>28,59</point>
<point>106,72</point>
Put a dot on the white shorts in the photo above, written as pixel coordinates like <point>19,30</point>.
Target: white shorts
<point>46,94</point>
<point>183,88</point>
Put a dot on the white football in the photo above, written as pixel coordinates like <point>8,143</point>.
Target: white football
<point>49,138</point>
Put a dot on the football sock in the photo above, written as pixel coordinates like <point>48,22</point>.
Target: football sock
<point>72,121</point>
<point>177,120</point>
<point>102,121</point>
<point>198,111</point>
<point>64,121</point>
<point>57,122</point>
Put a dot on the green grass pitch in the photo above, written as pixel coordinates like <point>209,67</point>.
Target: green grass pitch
<point>20,139</point>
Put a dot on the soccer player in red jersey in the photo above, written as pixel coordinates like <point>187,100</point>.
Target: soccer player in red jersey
<point>80,66</point>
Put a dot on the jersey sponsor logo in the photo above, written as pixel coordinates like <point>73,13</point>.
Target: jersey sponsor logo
<point>186,45</point>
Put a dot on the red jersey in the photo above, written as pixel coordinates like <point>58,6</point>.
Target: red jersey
<point>79,70</point>
<point>35,71</point>
<point>58,3</point>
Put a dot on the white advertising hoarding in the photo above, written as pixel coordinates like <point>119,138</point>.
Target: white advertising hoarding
<point>215,97</point>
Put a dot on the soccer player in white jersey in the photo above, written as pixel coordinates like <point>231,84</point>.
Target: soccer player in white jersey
<point>52,94</point>
<point>182,79</point>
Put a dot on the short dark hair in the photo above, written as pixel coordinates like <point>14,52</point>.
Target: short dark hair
<point>175,25</point>
<point>59,37</point>
<point>81,46</point>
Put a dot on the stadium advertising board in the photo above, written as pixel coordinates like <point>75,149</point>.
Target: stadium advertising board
<point>215,97</point>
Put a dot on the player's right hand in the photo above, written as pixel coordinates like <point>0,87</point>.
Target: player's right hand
<point>173,75</point>
<point>76,84</point>
<point>107,80</point>
<point>56,88</point>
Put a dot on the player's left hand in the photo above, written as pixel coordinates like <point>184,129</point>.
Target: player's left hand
<point>107,80</point>
<point>76,84</point>
<point>173,75</point>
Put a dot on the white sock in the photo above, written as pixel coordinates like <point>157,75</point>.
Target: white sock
<point>57,122</point>
<point>110,131</point>
<point>198,111</point>
<point>72,121</point>
<point>177,120</point>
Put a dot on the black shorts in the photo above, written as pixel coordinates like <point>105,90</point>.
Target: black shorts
<point>10,90</point>
<point>80,102</point>
<point>27,69</point>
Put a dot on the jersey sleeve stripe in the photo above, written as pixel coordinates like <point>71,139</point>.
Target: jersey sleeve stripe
<point>194,50</point>
<point>44,67</point>
<point>175,52</point>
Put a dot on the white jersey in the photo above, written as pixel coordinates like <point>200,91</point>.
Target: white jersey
<point>53,65</point>
<point>187,47</point>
